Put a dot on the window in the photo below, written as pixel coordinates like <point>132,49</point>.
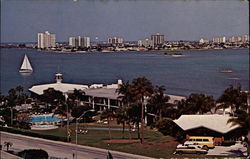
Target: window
<point>198,139</point>
<point>205,139</point>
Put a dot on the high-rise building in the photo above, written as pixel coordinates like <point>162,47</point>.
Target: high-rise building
<point>219,40</point>
<point>46,40</point>
<point>146,43</point>
<point>79,42</point>
<point>115,40</point>
<point>245,38</point>
<point>158,39</point>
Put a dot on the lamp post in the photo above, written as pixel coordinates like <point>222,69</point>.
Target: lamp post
<point>91,110</point>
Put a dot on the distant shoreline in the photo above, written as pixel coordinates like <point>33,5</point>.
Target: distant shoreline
<point>128,51</point>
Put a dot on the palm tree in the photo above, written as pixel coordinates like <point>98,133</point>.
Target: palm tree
<point>234,98</point>
<point>196,103</point>
<point>108,114</point>
<point>243,119</point>
<point>2,99</point>
<point>159,100</point>
<point>19,89</point>
<point>126,96</point>
<point>122,117</point>
<point>76,96</point>
<point>141,88</point>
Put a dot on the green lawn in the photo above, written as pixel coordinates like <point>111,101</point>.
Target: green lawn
<point>156,145</point>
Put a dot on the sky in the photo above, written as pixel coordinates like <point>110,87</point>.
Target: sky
<point>133,20</point>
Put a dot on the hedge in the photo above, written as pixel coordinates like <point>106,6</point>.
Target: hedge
<point>228,143</point>
<point>28,133</point>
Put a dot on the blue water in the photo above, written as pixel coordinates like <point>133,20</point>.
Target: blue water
<point>196,72</point>
<point>44,118</point>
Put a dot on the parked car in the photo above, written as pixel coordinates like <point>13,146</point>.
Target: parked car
<point>191,149</point>
<point>206,141</point>
<point>192,144</point>
<point>186,145</point>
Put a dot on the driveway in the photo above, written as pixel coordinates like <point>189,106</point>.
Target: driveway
<point>234,150</point>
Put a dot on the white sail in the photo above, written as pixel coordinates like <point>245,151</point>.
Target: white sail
<point>26,66</point>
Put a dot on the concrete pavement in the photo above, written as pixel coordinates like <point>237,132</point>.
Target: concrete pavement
<point>61,149</point>
<point>5,155</point>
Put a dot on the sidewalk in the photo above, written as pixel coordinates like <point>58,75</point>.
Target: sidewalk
<point>6,155</point>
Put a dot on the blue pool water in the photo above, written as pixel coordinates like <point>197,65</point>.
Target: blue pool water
<point>44,118</point>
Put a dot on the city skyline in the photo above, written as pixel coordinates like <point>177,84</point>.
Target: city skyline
<point>132,20</point>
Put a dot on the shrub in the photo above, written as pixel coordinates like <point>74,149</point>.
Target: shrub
<point>33,153</point>
<point>165,126</point>
<point>228,143</point>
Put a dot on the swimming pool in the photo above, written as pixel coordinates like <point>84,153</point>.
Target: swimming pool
<point>43,127</point>
<point>44,118</point>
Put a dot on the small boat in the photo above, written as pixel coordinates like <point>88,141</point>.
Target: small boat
<point>226,71</point>
<point>26,66</point>
<point>177,54</point>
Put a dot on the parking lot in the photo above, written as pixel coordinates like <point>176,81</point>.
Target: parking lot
<point>234,150</point>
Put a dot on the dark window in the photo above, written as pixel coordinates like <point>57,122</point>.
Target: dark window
<point>205,139</point>
<point>198,139</point>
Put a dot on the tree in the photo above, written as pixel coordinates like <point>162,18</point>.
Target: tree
<point>52,96</point>
<point>122,117</point>
<point>2,100</point>
<point>165,126</point>
<point>243,119</point>
<point>196,103</point>
<point>159,100</point>
<point>126,96</point>
<point>108,114</point>
<point>234,98</point>
<point>76,96</point>
<point>141,88</point>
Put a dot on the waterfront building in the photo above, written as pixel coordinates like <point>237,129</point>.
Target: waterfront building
<point>202,41</point>
<point>158,39</point>
<point>146,43</point>
<point>115,40</point>
<point>219,40</point>
<point>209,125</point>
<point>46,40</point>
<point>82,42</point>
<point>59,86</point>
<point>245,38</point>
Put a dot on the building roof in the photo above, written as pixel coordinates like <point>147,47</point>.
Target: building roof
<point>63,87</point>
<point>102,93</point>
<point>213,122</point>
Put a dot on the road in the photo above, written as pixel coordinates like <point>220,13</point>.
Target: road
<point>61,149</point>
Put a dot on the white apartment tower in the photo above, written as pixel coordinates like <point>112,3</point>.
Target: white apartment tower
<point>158,39</point>
<point>46,40</point>
<point>79,42</point>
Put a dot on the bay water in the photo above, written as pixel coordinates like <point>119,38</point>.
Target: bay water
<point>195,72</point>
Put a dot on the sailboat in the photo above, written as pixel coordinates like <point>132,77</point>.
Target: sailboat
<point>26,66</point>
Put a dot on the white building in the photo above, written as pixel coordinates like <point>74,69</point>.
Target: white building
<point>146,43</point>
<point>79,42</point>
<point>219,40</point>
<point>158,39</point>
<point>115,40</point>
<point>46,40</point>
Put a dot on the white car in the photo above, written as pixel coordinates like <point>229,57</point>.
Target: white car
<point>191,149</point>
<point>186,144</point>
